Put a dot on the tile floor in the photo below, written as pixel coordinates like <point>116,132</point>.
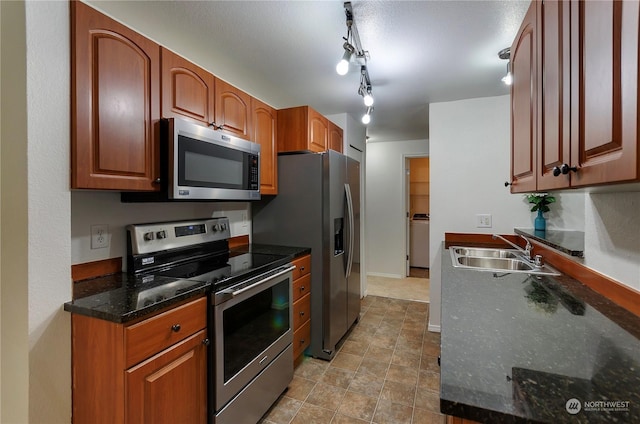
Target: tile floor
<point>410,288</point>
<point>385,372</point>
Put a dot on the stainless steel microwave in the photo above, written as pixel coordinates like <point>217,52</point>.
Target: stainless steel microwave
<point>199,163</point>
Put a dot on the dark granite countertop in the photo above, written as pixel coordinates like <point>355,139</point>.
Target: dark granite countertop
<point>521,349</point>
<point>567,241</point>
<point>122,297</point>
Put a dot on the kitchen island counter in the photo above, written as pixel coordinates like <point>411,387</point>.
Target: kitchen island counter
<point>518,348</point>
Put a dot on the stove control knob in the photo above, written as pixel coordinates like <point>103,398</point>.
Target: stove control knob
<point>223,227</point>
<point>148,236</point>
<point>161,235</point>
<point>214,228</point>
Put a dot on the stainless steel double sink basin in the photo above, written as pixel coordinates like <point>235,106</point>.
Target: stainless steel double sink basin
<point>496,260</point>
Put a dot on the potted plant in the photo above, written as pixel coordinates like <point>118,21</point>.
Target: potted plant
<point>541,202</point>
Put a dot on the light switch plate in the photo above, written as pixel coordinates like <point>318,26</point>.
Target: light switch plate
<point>483,221</point>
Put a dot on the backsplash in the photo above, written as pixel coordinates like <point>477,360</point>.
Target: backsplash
<point>92,207</point>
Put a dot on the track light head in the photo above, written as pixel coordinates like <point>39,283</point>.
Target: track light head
<point>366,118</point>
<point>343,66</point>
<point>505,54</point>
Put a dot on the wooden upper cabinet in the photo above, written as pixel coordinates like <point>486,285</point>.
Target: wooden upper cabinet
<point>318,131</point>
<point>554,138</point>
<point>523,105</point>
<point>604,113</point>
<point>115,104</point>
<point>575,95</point>
<point>233,110</point>
<point>265,128</point>
<point>302,128</point>
<point>187,90</point>
<point>335,137</point>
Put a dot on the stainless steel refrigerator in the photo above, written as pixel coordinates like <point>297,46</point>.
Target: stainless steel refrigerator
<point>318,206</point>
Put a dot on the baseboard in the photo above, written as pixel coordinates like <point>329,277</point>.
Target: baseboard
<point>380,274</point>
<point>433,328</point>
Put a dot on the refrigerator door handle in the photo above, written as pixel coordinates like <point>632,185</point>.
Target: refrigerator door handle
<point>347,191</point>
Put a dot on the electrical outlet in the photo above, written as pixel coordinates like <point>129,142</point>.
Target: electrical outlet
<point>99,236</point>
<point>483,221</point>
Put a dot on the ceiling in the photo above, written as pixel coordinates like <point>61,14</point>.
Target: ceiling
<point>285,52</point>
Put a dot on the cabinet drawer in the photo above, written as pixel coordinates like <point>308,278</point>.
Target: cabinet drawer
<point>301,338</point>
<point>303,266</point>
<point>152,335</point>
<point>301,310</point>
<point>301,286</point>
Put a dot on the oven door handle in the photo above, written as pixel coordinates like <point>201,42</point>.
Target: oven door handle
<point>235,293</point>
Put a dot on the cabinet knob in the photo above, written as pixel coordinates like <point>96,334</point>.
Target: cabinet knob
<point>556,171</point>
<point>301,288</point>
<point>301,341</point>
<point>301,313</point>
<point>301,268</point>
<point>206,342</point>
<point>175,328</point>
<point>157,181</point>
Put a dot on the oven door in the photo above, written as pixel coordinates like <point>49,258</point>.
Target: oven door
<point>252,322</point>
<point>207,164</point>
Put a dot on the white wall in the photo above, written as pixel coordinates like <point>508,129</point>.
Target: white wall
<point>14,310</point>
<point>385,209</point>
<point>95,207</point>
<point>612,236</point>
<point>49,209</point>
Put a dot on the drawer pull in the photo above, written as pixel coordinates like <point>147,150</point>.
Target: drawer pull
<point>206,342</point>
<point>301,341</point>
<point>175,328</point>
<point>301,288</point>
<point>301,268</point>
<point>301,313</point>
<point>263,359</point>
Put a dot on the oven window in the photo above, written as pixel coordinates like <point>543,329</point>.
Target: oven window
<point>253,325</point>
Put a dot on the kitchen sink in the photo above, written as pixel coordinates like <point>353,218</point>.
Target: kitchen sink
<point>479,252</point>
<point>496,260</point>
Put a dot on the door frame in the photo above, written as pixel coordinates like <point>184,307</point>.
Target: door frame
<point>407,205</point>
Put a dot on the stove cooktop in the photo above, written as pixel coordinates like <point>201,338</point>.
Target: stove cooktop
<point>222,274</point>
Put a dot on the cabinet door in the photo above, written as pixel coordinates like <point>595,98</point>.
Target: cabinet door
<point>233,110</point>
<point>318,131</point>
<point>553,93</point>
<point>115,80</point>
<point>335,137</point>
<point>170,387</point>
<point>604,115</point>
<point>523,105</point>
<point>187,89</point>
<point>264,133</point>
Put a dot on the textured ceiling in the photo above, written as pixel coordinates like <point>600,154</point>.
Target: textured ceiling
<point>285,52</point>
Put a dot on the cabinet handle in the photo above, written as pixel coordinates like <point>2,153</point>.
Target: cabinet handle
<point>301,268</point>
<point>206,342</point>
<point>301,288</point>
<point>564,169</point>
<point>301,341</point>
<point>157,181</point>
<point>301,313</point>
<point>175,328</point>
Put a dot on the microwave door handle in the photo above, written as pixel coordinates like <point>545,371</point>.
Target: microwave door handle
<point>235,293</point>
<point>347,190</point>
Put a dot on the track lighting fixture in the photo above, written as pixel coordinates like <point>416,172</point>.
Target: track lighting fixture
<point>505,54</point>
<point>353,51</point>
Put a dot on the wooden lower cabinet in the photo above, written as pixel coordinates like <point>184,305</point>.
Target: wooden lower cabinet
<point>112,384</point>
<point>301,305</point>
<point>170,387</point>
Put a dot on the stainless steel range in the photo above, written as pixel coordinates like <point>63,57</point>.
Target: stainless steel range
<point>250,314</point>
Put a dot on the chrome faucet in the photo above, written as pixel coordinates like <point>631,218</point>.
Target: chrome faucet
<point>526,251</point>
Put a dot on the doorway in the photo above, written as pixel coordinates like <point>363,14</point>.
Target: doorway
<point>417,216</point>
